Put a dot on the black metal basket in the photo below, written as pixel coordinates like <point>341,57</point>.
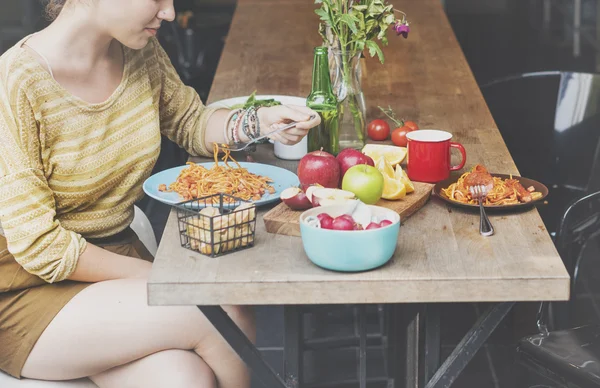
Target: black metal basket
<point>217,224</point>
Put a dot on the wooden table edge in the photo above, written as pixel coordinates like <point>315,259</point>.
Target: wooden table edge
<point>346,292</point>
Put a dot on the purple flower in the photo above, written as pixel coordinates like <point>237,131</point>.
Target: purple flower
<point>402,28</point>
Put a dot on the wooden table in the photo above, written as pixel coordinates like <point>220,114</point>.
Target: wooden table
<point>440,255</point>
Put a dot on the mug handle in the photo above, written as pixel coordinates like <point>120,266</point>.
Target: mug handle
<point>464,156</point>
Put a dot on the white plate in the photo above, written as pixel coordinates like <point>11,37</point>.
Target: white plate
<point>294,152</point>
<point>286,100</point>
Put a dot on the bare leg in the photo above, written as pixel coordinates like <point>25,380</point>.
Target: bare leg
<point>109,324</point>
<point>169,368</point>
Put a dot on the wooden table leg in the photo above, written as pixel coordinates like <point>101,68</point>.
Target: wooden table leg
<point>243,346</point>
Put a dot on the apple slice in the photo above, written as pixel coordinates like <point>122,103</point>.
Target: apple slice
<point>311,189</point>
<point>326,196</point>
<point>295,198</point>
<point>362,214</point>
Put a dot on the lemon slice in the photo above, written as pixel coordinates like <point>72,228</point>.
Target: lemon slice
<point>401,175</point>
<point>385,167</point>
<point>393,189</point>
<point>394,155</point>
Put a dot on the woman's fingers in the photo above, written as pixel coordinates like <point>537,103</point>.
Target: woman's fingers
<point>288,138</point>
<point>307,123</point>
<point>296,113</point>
<point>278,137</point>
<point>292,135</point>
<point>281,115</point>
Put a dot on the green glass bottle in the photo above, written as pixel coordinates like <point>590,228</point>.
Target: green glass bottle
<point>322,100</point>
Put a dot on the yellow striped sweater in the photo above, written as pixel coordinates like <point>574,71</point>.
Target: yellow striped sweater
<point>71,170</point>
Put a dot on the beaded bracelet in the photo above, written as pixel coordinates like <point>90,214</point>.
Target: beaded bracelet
<point>235,134</point>
<point>232,116</point>
<point>257,128</point>
<point>253,118</point>
<point>245,125</point>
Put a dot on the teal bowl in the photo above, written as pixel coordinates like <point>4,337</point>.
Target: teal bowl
<point>349,251</point>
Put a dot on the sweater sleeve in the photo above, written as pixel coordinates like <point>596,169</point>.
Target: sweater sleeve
<point>183,117</point>
<point>27,207</point>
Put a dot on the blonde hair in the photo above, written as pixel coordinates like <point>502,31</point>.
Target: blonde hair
<point>53,8</point>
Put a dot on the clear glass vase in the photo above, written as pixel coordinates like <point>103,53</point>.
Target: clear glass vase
<point>345,70</point>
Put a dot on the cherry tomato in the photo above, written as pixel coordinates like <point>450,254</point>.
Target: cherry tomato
<point>412,125</point>
<point>378,129</point>
<point>399,136</point>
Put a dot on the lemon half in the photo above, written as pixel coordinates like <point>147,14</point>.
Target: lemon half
<point>394,155</point>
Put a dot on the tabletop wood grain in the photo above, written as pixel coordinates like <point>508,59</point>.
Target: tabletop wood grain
<point>440,255</point>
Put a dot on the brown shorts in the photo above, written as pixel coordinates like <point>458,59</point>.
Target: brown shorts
<point>28,304</point>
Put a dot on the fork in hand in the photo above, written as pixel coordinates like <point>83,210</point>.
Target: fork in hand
<point>479,192</point>
<point>240,147</point>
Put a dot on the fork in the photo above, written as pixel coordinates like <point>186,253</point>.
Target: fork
<point>485,226</point>
<point>246,145</point>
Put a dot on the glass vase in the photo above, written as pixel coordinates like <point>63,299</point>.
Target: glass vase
<point>345,70</point>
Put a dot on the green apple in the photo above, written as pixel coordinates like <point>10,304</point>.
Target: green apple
<point>366,182</point>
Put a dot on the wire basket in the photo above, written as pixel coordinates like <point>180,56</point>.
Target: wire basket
<point>217,224</point>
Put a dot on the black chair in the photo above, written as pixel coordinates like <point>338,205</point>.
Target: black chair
<point>359,335</point>
<point>568,358</point>
<point>550,122</point>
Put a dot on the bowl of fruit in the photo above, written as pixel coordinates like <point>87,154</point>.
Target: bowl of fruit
<point>349,237</point>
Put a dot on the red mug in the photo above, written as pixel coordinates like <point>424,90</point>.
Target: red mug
<point>429,155</point>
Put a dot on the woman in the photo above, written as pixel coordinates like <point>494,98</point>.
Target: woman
<point>82,107</point>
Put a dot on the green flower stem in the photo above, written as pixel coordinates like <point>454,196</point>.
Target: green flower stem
<point>359,120</point>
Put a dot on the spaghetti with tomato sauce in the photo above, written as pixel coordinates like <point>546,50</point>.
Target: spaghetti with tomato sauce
<point>501,191</point>
<point>198,181</point>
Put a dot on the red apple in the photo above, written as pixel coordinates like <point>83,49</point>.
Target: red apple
<point>350,157</point>
<point>295,198</point>
<point>319,167</point>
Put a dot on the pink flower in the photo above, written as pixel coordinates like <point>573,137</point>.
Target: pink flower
<point>402,28</point>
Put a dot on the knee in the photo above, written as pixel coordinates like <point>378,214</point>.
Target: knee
<point>185,369</point>
<point>243,316</point>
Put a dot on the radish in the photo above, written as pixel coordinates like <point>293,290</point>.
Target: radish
<point>326,221</point>
<point>342,223</point>
<point>385,223</point>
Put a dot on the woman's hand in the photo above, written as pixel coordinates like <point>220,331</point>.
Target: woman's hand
<point>273,118</point>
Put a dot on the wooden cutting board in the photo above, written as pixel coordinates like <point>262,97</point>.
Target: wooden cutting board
<point>283,220</point>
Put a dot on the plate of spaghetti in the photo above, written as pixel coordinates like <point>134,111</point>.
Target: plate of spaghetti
<point>255,182</point>
<point>505,191</point>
